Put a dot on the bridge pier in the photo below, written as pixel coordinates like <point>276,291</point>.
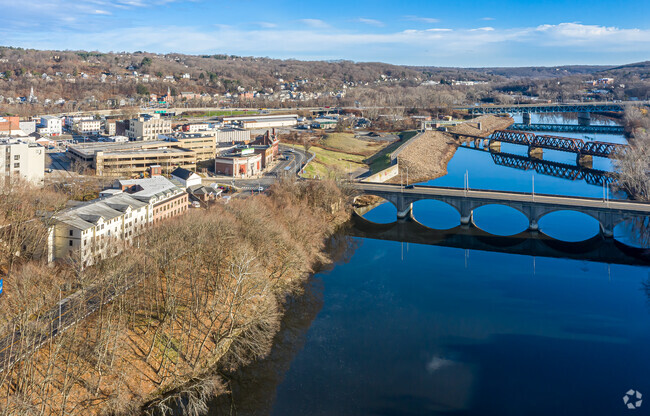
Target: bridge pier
<point>526,118</point>
<point>404,211</point>
<point>584,119</point>
<point>494,146</point>
<point>533,226</point>
<point>466,211</point>
<point>606,224</point>
<point>536,152</point>
<point>586,161</point>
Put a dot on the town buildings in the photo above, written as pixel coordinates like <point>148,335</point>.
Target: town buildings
<point>10,126</point>
<point>263,122</point>
<point>148,127</point>
<point>239,163</point>
<point>50,126</point>
<point>232,136</point>
<point>103,227</point>
<point>185,177</point>
<point>131,159</point>
<point>87,127</point>
<point>202,144</point>
<point>21,159</point>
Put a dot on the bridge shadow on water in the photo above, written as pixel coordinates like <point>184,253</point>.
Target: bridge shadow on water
<point>531,243</point>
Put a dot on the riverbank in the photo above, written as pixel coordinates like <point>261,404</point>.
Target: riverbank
<point>426,156</point>
<point>208,295</point>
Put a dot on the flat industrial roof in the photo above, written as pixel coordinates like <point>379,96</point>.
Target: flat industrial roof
<point>267,118</point>
<point>126,153</point>
<point>89,149</point>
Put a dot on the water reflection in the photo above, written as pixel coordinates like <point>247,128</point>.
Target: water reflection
<point>499,220</point>
<point>435,214</point>
<point>569,226</point>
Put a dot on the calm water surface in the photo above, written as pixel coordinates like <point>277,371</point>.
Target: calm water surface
<point>407,329</point>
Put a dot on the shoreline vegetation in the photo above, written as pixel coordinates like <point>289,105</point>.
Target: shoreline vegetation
<point>207,294</point>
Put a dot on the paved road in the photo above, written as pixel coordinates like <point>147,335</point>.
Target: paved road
<point>55,321</point>
<point>293,160</point>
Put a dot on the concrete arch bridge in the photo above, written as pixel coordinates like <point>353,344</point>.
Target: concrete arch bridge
<point>608,213</point>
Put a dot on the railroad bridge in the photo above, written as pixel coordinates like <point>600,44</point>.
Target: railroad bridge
<point>585,151</point>
<point>608,213</point>
<point>547,108</point>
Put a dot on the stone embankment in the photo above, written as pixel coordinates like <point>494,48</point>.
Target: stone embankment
<point>426,156</point>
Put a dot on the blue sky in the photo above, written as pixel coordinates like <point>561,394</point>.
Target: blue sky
<point>419,32</point>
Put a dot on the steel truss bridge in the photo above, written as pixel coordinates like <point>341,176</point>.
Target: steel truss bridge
<point>565,144</point>
<point>567,128</point>
<point>548,108</point>
<point>549,168</point>
<point>556,169</point>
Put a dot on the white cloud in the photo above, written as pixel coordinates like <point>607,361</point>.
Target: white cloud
<point>371,22</point>
<point>422,19</point>
<point>315,23</point>
<point>577,33</point>
<point>546,44</point>
<point>487,18</point>
<point>102,12</point>
<point>267,25</point>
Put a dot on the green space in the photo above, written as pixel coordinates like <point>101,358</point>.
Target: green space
<point>381,160</point>
<point>344,154</point>
<point>347,143</point>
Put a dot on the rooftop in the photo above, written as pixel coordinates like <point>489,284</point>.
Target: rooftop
<point>87,215</point>
<point>149,187</point>
<point>89,149</point>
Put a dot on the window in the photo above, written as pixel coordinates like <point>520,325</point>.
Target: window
<point>70,243</point>
<point>17,157</point>
<point>71,233</point>
<point>16,165</point>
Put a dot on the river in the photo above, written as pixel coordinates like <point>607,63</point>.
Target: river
<point>408,329</point>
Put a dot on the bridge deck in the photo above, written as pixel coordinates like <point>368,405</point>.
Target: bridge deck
<point>568,128</point>
<point>637,207</point>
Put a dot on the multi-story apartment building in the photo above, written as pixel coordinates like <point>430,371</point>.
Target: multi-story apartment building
<point>50,126</point>
<point>98,229</point>
<point>21,159</point>
<point>203,144</point>
<point>88,126</point>
<point>148,127</point>
<point>103,227</point>
<point>232,136</point>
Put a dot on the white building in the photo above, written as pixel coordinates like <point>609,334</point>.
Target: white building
<point>88,127</point>
<point>263,122</point>
<point>147,127</point>
<point>70,121</point>
<point>98,229</point>
<point>50,126</point>
<point>232,136</point>
<point>103,227</point>
<point>22,159</point>
<point>185,177</point>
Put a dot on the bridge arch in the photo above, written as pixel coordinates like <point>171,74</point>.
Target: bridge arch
<point>570,226</point>
<point>500,219</point>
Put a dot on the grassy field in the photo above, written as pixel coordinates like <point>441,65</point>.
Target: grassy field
<point>346,143</point>
<point>346,154</point>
